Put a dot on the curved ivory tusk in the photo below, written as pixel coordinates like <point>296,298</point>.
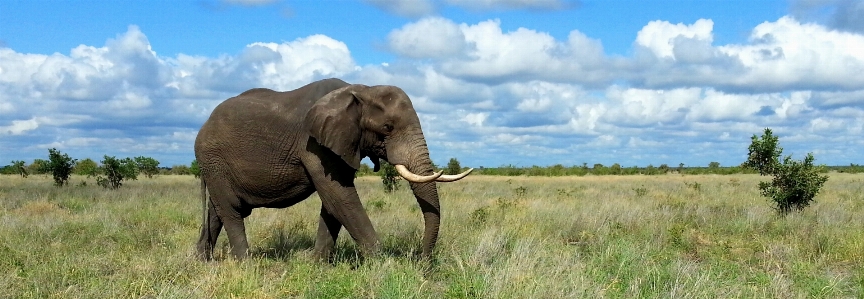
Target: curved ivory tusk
<point>453,177</point>
<point>416,178</point>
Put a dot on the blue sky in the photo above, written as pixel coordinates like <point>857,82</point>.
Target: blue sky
<point>495,82</point>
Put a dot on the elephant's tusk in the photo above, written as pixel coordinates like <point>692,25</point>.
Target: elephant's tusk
<point>453,177</point>
<point>416,178</point>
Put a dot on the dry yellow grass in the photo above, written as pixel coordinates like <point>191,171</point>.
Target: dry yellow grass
<point>502,237</point>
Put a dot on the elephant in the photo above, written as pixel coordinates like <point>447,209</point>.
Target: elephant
<point>269,149</point>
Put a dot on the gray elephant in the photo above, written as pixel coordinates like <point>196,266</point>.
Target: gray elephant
<point>268,149</point>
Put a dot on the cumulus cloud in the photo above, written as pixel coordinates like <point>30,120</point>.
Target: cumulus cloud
<point>432,37</point>
<point>521,95</point>
<point>125,93</point>
<point>483,52</point>
<point>660,37</point>
<point>18,127</point>
<point>839,14</point>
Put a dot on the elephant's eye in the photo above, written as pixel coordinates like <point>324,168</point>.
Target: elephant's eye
<point>388,128</point>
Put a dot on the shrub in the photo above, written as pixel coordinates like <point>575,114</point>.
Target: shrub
<point>389,177</point>
<point>60,166</point>
<point>615,169</point>
<point>453,167</point>
<point>364,170</point>
<point>116,171</point>
<point>86,167</point>
<point>193,168</point>
<point>39,166</point>
<point>148,166</point>
<point>180,170</point>
<point>795,183</point>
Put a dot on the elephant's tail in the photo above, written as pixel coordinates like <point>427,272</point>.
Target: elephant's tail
<point>206,218</point>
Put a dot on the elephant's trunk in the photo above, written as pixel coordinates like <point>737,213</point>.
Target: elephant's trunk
<point>414,154</point>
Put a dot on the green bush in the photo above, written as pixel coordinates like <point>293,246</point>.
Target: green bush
<point>180,170</point>
<point>795,183</point>
<point>86,167</point>
<point>116,171</point>
<point>60,166</point>
<point>453,167</point>
<point>39,166</point>
<point>389,177</point>
<point>148,166</point>
<point>193,168</point>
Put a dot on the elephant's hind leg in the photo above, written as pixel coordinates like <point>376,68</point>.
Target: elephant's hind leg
<point>209,233</point>
<point>230,213</point>
<point>328,231</point>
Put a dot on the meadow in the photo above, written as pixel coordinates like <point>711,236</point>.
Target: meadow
<point>678,236</point>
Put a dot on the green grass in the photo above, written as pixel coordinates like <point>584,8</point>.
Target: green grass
<point>501,237</point>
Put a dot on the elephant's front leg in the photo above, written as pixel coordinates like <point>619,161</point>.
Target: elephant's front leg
<point>328,232</point>
<point>344,205</point>
<point>334,182</point>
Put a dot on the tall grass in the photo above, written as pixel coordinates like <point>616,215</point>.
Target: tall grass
<point>502,237</point>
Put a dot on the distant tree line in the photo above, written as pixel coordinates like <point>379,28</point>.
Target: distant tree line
<point>149,167</point>
<point>110,172</point>
<point>453,167</point>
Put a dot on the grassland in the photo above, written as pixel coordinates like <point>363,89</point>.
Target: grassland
<point>502,237</point>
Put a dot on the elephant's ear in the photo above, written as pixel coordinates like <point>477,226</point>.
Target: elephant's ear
<point>334,121</point>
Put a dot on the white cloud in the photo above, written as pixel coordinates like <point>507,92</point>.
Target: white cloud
<point>433,37</point>
<point>293,64</point>
<point>512,93</point>
<point>475,119</point>
<point>787,52</point>
<point>636,142</point>
<point>19,127</point>
<point>6,108</point>
<point>660,36</point>
<point>645,107</point>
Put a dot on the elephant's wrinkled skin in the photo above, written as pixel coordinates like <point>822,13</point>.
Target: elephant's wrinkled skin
<point>272,149</point>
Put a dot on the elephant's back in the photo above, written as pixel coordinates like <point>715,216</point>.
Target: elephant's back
<point>249,134</point>
<point>254,139</point>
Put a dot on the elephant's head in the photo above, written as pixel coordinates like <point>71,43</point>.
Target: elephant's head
<point>380,122</point>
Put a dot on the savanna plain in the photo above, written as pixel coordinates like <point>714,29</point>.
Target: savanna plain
<point>691,236</point>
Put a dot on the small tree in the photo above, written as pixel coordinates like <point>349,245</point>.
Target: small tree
<point>60,165</point>
<point>116,171</point>
<point>453,167</point>
<point>180,170</point>
<point>193,168</point>
<point>389,177</point>
<point>763,153</point>
<point>364,170</point>
<point>650,170</point>
<point>39,166</point>
<point>19,168</point>
<point>148,166</point>
<point>86,167</point>
<point>663,168</point>
<point>795,183</point>
<point>615,169</point>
